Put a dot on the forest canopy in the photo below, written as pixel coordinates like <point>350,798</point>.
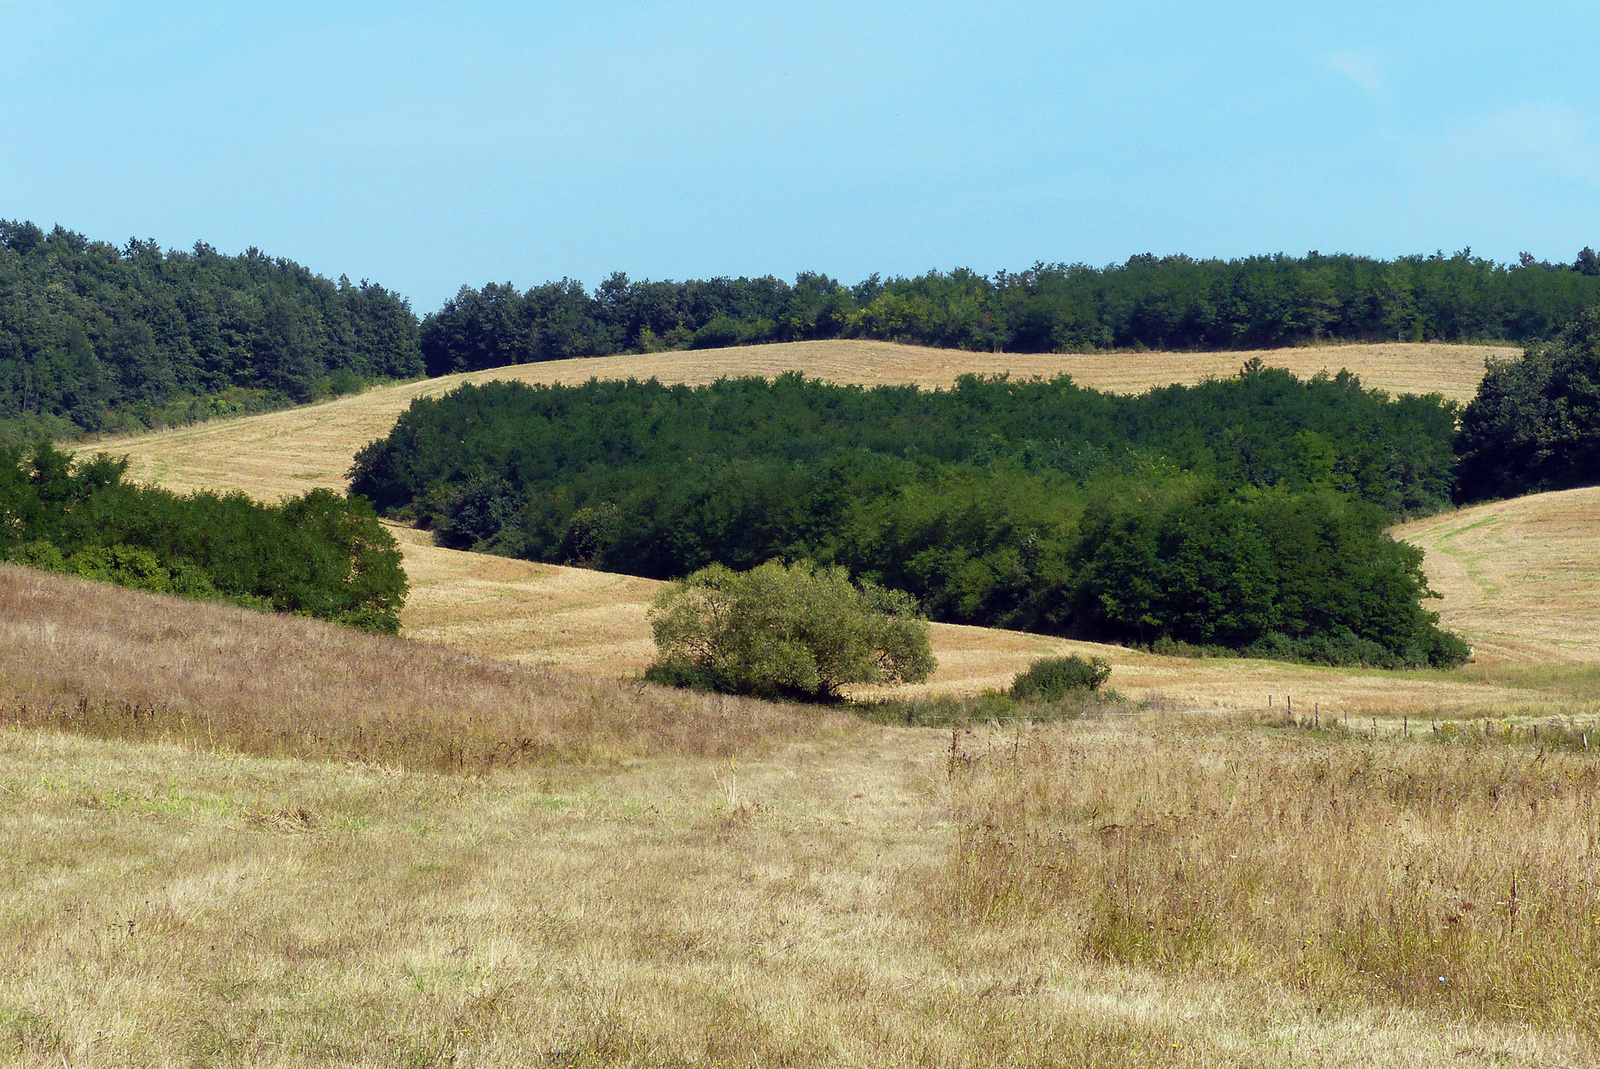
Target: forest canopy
<point>1535,422</point>
<point>99,338</point>
<point>1170,302</point>
<point>1246,513</point>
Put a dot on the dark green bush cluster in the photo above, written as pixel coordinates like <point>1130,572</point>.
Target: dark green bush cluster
<point>99,338</point>
<point>1054,678</point>
<point>1309,577</point>
<point>1535,422</point>
<point>1220,514</point>
<point>321,555</point>
<point>785,631</point>
<point>1171,302</point>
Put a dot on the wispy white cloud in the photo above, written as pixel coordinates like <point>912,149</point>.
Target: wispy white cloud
<point>1509,150</point>
<point>1365,71</point>
<point>1548,138</point>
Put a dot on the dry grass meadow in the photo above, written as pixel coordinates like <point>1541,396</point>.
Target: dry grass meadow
<point>238,839</point>
<point>245,840</point>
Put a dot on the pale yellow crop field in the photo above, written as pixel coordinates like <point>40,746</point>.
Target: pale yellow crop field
<point>292,451</point>
<point>1520,577</point>
<point>595,623</point>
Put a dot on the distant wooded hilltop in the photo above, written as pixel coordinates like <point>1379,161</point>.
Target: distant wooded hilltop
<point>100,338</point>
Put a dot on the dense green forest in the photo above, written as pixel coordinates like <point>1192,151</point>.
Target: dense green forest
<point>1535,422</point>
<point>97,338</point>
<point>1246,513</point>
<point>1172,302</point>
<point>321,554</point>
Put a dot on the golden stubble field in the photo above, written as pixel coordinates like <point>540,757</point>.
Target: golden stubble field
<point>295,450</point>
<point>595,622</point>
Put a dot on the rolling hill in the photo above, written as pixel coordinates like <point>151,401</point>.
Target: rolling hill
<point>595,623</point>
<point>1520,577</point>
<point>656,877</point>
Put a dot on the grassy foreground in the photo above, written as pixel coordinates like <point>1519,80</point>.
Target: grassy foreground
<point>840,900</point>
<point>238,839</point>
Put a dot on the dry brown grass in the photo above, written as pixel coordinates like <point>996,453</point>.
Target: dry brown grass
<point>290,452</point>
<point>1456,879</point>
<point>97,659</point>
<point>661,879</point>
<point>665,879</point>
<point>827,901</point>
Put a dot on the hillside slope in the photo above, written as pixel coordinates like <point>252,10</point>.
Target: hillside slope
<point>104,660</point>
<point>1520,578</point>
<point>594,622</point>
<point>290,452</point>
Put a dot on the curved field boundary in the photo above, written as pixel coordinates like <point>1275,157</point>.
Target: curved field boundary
<point>595,623</point>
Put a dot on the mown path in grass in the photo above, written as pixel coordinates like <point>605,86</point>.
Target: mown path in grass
<point>167,906</point>
<point>1521,578</point>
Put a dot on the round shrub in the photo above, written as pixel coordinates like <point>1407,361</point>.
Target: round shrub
<point>1053,678</point>
<point>785,631</point>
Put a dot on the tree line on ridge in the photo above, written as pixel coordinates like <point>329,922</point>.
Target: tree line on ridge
<point>96,338</point>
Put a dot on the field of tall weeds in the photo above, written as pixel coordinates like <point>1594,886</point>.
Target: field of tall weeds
<point>107,662</point>
<point>1446,873</point>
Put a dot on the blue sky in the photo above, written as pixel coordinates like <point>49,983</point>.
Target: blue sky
<point>426,146</point>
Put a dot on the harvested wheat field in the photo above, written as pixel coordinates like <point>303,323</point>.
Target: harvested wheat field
<point>241,839</point>
<point>591,622</point>
<point>1520,577</point>
<point>292,451</point>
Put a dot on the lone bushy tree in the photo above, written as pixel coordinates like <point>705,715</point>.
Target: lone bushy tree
<point>1053,678</point>
<point>786,631</point>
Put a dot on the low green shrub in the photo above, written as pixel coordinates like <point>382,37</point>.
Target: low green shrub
<point>322,554</point>
<point>1053,678</point>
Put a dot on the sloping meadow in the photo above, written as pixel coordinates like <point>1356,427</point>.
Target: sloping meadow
<point>100,660</point>
<point>1452,874</point>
